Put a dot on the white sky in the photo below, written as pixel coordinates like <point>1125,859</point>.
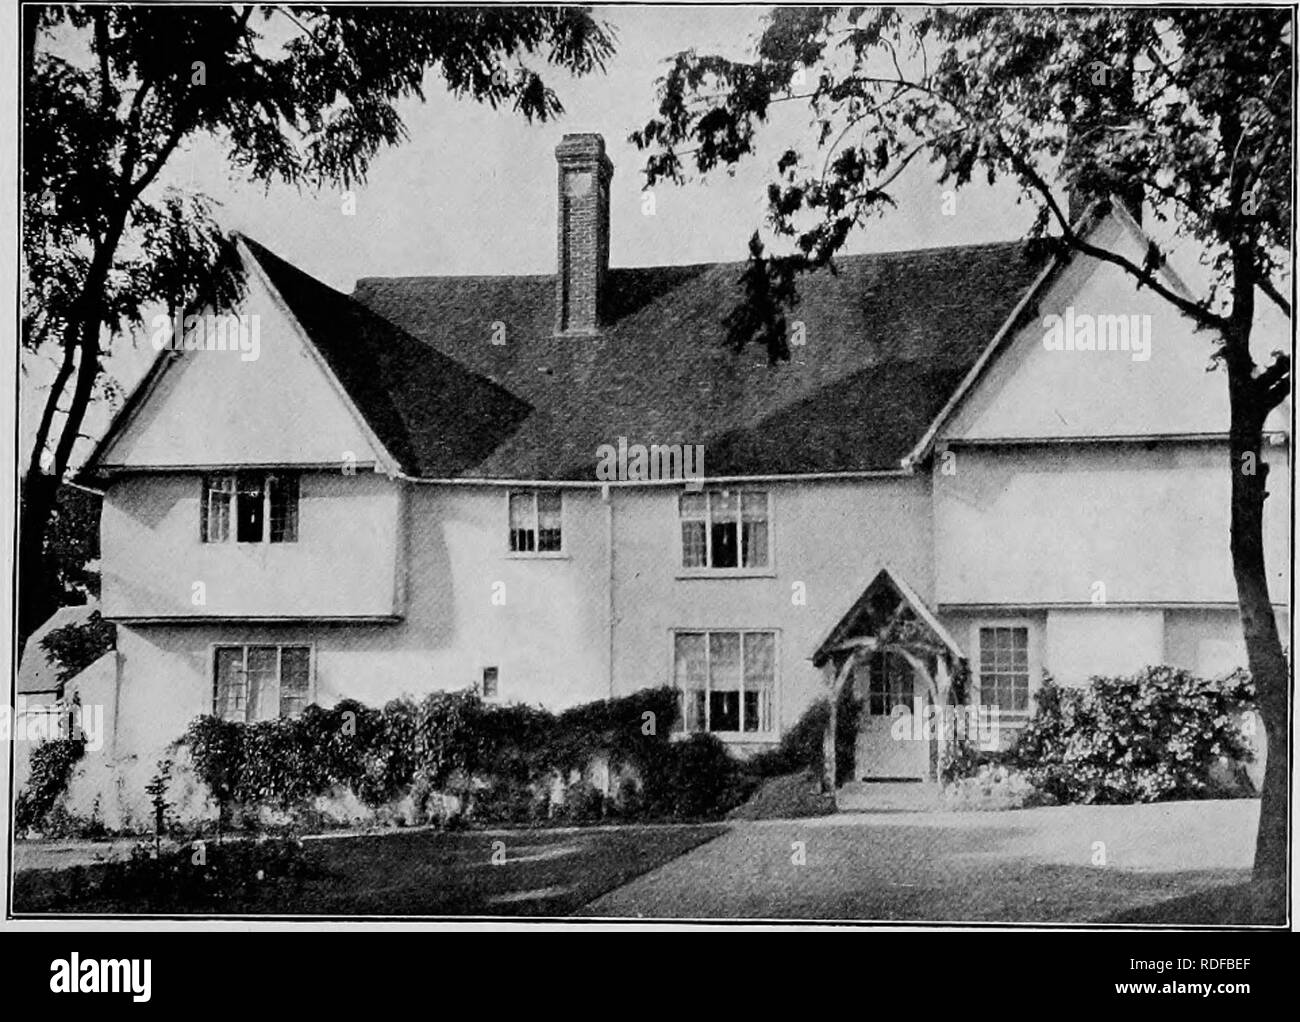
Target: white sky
<point>473,191</point>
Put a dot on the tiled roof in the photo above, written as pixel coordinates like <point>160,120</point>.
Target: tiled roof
<point>887,339</point>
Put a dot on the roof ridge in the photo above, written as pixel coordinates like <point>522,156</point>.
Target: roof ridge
<point>723,264</point>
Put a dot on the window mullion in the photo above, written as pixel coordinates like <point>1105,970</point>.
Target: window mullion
<point>740,638</point>
<point>708,681</point>
<point>708,532</point>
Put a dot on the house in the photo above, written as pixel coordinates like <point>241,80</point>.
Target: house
<point>940,498</point>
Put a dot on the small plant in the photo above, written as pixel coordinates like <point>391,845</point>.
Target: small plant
<point>156,789</point>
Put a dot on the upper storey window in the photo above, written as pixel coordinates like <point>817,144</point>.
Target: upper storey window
<point>535,522</point>
<point>249,507</point>
<point>725,529</point>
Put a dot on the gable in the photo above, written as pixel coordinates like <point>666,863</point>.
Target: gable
<point>217,408</point>
<point>1159,387</point>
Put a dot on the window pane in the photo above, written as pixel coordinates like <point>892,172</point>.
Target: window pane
<point>215,508</point>
<point>690,675</point>
<point>230,698</point>
<point>1004,668</point>
<point>724,711</point>
<point>263,697</point>
<point>760,676</point>
<point>692,505</point>
<point>724,681</point>
<point>284,508</point>
<point>249,509</point>
<point>523,535</point>
<point>295,679</point>
<point>723,505</point>
<point>548,520</point>
<point>491,679</point>
<point>754,544</point>
<point>694,545</point>
<point>723,535</point>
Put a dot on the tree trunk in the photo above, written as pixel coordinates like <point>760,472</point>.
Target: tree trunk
<point>1268,665</point>
<point>36,595</point>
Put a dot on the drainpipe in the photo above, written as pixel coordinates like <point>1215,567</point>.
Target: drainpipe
<point>608,500</point>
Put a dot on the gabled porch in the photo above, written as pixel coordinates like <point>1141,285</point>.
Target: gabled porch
<point>891,673</point>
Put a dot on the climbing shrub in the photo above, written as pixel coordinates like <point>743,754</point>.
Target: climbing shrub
<point>52,764</point>
<point>801,748</point>
<point>1144,738</point>
<point>501,761</point>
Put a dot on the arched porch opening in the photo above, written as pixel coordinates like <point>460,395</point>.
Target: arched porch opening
<point>893,670</point>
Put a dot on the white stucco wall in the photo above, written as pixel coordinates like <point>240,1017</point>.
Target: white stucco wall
<point>344,564</point>
<point>1080,644</point>
<point>1045,524</point>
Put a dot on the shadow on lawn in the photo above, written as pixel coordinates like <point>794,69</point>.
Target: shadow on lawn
<point>428,873</point>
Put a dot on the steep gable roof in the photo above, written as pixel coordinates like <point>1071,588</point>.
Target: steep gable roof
<point>888,338</point>
<point>433,415</point>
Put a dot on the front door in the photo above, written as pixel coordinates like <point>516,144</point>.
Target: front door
<point>888,746</point>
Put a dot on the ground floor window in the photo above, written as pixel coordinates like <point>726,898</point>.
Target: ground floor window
<point>726,679</point>
<point>254,683</point>
<point>1004,668</point>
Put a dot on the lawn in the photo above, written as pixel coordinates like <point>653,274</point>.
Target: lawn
<point>419,873</point>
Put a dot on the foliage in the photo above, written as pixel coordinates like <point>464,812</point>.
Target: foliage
<point>500,759</point>
<point>198,876</point>
<point>72,545</point>
<point>958,760</point>
<point>992,786</point>
<point>52,764</point>
<point>701,780</point>
<point>1144,738</point>
<point>78,645</point>
<point>802,747</point>
<point>1187,108</point>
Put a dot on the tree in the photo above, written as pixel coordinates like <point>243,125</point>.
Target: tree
<point>302,95</point>
<point>1187,108</point>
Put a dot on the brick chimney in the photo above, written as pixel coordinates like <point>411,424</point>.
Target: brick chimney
<point>583,234</point>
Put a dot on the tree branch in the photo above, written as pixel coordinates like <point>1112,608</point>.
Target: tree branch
<point>1144,276</point>
<point>1270,291</point>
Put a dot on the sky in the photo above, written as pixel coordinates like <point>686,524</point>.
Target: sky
<point>473,189</point>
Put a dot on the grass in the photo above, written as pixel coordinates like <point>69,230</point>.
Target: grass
<point>427,873</point>
<point>788,797</point>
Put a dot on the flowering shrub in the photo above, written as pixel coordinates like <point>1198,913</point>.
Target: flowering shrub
<point>1152,736</point>
<point>991,786</point>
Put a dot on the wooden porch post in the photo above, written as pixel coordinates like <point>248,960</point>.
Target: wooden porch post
<point>832,679</point>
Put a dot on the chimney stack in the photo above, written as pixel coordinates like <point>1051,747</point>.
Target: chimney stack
<point>583,237</point>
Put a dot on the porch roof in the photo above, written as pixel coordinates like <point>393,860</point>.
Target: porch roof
<point>857,620</point>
